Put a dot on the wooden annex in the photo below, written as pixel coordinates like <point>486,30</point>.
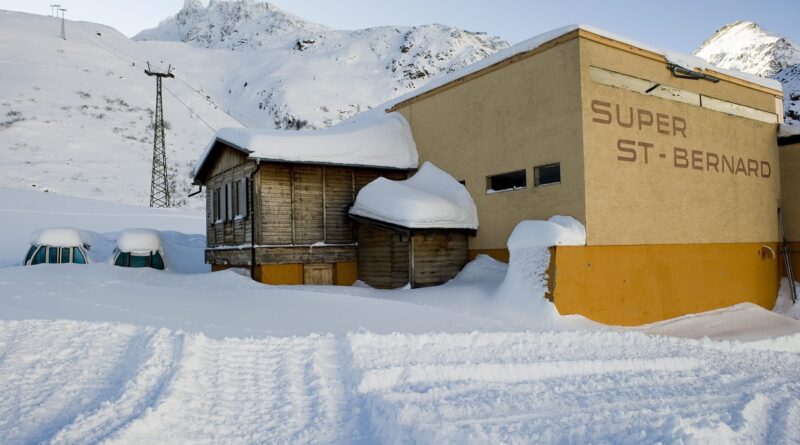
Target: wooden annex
<point>302,231</point>
<point>391,256</point>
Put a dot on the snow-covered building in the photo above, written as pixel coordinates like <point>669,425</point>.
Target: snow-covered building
<point>413,231</point>
<point>789,148</point>
<point>672,166</point>
<point>298,187</point>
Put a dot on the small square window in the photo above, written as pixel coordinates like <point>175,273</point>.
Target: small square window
<point>515,180</point>
<point>547,174</point>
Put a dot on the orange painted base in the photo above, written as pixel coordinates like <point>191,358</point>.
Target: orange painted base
<point>632,285</point>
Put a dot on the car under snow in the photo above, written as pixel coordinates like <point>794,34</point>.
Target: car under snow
<point>139,248</point>
<point>57,246</point>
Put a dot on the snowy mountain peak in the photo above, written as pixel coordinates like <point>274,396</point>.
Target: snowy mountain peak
<point>239,24</point>
<point>747,47</point>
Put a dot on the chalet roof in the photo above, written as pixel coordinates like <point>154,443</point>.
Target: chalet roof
<point>684,60</point>
<point>371,139</point>
<point>431,199</point>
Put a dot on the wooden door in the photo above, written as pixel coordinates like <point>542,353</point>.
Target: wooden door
<point>318,274</point>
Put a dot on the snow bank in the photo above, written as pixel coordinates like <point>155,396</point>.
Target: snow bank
<point>139,241</point>
<point>429,199</point>
<point>784,305</point>
<point>531,44</point>
<point>59,237</point>
<point>521,295</point>
<point>374,140</point>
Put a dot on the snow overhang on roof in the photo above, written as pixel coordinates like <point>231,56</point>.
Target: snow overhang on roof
<point>688,61</point>
<point>371,139</point>
<point>431,199</point>
<point>788,134</point>
<point>139,241</point>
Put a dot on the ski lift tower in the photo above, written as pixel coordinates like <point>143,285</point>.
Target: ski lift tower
<point>159,185</point>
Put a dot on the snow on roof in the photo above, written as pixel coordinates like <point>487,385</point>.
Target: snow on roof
<point>684,60</point>
<point>370,140</point>
<point>429,199</point>
<point>556,231</point>
<point>139,241</point>
<point>785,130</point>
<point>59,237</point>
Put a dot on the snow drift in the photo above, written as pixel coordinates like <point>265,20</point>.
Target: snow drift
<point>521,295</point>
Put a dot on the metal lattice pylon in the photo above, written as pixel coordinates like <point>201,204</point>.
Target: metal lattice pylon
<point>63,29</point>
<point>159,185</point>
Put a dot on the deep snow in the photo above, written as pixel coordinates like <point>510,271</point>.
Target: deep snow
<point>99,353</point>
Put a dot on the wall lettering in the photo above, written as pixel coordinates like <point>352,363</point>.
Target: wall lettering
<point>632,150</point>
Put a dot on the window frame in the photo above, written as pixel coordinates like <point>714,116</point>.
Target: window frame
<point>537,175</point>
<point>490,190</point>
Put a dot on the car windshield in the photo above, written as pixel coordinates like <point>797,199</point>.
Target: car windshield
<point>140,260</point>
<point>77,256</point>
<point>30,254</point>
<point>40,257</point>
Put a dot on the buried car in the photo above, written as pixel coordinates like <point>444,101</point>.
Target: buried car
<point>58,246</point>
<point>139,248</point>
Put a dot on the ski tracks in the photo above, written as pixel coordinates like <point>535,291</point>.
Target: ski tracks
<point>81,382</point>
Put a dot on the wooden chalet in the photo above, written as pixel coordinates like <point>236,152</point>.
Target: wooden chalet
<point>277,201</point>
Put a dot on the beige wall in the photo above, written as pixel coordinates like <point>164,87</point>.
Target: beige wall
<point>657,201</point>
<point>790,189</point>
<point>517,117</point>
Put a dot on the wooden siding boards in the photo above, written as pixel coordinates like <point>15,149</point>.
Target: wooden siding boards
<point>382,257</point>
<point>297,205</point>
<point>275,201</point>
<point>284,255</point>
<point>438,256</point>
<point>226,233</point>
<point>387,257</point>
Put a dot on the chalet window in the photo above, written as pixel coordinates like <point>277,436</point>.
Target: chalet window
<point>235,201</point>
<point>218,204</point>
<point>228,202</point>
<point>547,174</point>
<point>515,180</point>
<point>241,194</point>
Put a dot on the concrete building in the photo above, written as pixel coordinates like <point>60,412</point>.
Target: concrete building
<point>672,166</point>
<point>673,170</point>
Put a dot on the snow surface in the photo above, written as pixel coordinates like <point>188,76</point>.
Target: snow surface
<point>274,70</point>
<point>784,304</point>
<point>139,241</point>
<point>97,353</point>
<point>59,237</point>
<point>75,115</point>
<point>429,199</point>
<point>373,140</point>
<point>537,41</point>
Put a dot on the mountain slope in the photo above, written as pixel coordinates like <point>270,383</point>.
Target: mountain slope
<point>76,115</point>
<point>747,47</point>
<point>273,69</point>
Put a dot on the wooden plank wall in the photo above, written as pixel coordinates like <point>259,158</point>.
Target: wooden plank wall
<point>305,204</point>
<point>382,257</point>
<point>229,233</point>
<point>438,256</point>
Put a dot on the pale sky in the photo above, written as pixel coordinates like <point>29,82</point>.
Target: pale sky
<point>680,25</point>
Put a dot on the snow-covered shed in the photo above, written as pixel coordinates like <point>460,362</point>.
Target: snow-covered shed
<point>278,200</point>
<point>413,231</point>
